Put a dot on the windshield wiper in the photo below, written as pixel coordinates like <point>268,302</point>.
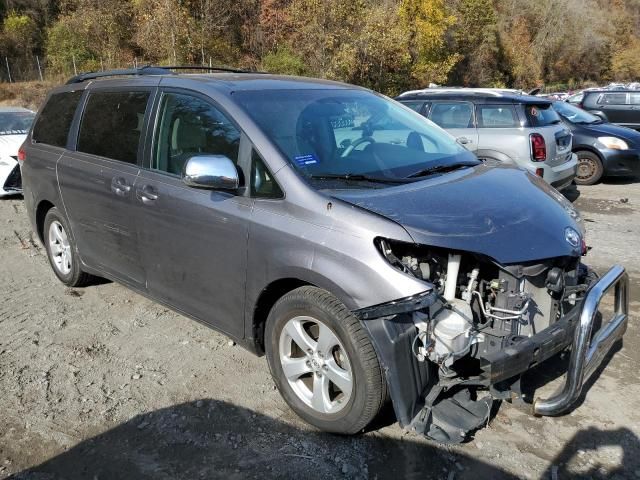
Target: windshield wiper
<point>356,177</point>
<point>441,169</point>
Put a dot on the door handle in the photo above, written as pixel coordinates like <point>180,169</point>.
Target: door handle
<point>463,140</point>
<point>147,194</point>
<point>119,186</point>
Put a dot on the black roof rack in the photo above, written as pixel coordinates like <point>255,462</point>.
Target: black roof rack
<point>150,70</point>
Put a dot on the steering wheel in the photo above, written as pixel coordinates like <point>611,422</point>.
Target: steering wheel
<point>356,143</point>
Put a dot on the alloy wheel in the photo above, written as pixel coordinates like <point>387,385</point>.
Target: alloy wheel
<point>315,364</point>
<point>60,248</point>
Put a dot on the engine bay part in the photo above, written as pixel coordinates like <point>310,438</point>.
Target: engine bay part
<point>480,311</point>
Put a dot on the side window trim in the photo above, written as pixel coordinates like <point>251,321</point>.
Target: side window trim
<point>73,140</point>
<point>250,185</point>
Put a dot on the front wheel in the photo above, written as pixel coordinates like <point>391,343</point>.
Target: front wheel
<point>323,362</point>
<point>590,168</point>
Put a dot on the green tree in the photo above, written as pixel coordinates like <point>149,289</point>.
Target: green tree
<point>285,62</point>
<point>427,23</point>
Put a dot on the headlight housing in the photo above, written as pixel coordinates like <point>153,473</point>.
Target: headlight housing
<point>614,143</point>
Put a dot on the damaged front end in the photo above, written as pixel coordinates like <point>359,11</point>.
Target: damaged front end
<point>449,352</point>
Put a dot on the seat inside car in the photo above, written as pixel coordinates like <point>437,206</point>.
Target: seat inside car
<point>188,137</point>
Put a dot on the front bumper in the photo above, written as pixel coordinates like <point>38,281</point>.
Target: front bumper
<point>392,330</point>
<point>621,162</point>
<point>574,330</point>
<point>589,349</point>
<point>10,178</point>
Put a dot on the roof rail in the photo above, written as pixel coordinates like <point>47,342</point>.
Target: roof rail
<point>146,70</point>
<point>150,70</point>
<point>210,69</point>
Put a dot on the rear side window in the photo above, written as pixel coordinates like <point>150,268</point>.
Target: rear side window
<point>112,123</point>
<point>497,116</point>
<point>541,115</point>
<point>613,99</point>
<point>634,98</point>
<point>452,115</point>
<point>54,122</point>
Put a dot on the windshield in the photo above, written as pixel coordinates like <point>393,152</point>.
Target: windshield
<point>575,114</point>
<point>353,134</point>
<point>15,123</point>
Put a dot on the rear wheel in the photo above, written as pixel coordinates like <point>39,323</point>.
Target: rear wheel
<point>590,168</point>
<point>61,250</point>
<point>323,362</point>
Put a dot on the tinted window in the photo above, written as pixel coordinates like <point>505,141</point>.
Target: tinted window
<point>416,106</point>
<point>613,99</point>
<point>541,115</point>
<point>263,184</point>
<point>111,124</point>
<point>55,119</point>
<point>190,126</point>
<point>452,115</point>
<point>497,116</point>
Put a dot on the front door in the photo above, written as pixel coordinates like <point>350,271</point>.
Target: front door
<point>97,182</point>
<point>193,241</point>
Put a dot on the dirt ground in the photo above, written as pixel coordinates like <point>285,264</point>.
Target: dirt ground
<point>101,383</point>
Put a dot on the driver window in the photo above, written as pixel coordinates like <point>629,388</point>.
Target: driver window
<point>189,126</point>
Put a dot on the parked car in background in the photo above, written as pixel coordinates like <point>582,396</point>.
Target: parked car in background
<point>357,245</point>
<point>14,126</point>
<point>621,107</point>
<point>502,127</point>
<point>603,149</point>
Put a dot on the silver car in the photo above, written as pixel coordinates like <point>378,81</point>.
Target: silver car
<point>356,244</point>
<point>502,126</point>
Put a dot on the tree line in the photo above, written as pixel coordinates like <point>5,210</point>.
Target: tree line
<point>387,45</point>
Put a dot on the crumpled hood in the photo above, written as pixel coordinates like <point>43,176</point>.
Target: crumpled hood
<point>9,144</point>
<point>502,212</point>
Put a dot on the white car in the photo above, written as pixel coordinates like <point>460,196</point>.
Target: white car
<point>14,126</point>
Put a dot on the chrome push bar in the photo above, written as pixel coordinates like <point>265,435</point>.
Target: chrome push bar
<point>587,351</point>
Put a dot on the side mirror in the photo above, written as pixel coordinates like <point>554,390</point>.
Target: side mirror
<point>213,172</point>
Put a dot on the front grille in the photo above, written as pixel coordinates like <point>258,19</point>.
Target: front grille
<point>14,180</point>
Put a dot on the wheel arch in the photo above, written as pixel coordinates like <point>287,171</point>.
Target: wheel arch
<point>265,302</point>
<point>41,212</point>
<point>590,149</point>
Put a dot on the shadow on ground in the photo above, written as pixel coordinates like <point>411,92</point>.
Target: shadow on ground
<point>214,439</point>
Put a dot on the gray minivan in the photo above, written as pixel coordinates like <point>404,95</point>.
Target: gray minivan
<point>356,244</point>
<point>502,126</point>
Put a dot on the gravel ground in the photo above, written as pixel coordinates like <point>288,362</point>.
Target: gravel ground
<point>102,383</point>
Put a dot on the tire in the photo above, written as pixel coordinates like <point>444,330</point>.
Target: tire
<point>590,169</point>
<point>312,310</point>
<point>61,250</point>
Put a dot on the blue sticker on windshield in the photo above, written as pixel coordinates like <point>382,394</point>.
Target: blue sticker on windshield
<point>305,160</point>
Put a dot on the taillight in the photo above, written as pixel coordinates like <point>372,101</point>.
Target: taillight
<point>538,148</point>
<point>22,155</point>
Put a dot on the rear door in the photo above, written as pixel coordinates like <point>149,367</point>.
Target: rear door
<point>97,180</point>
<point>634,115</point>
<point>457,118</point>
<point>616,107</point>
<point>194,241</point>
<point>500,134</point>
<point>544,120</point>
